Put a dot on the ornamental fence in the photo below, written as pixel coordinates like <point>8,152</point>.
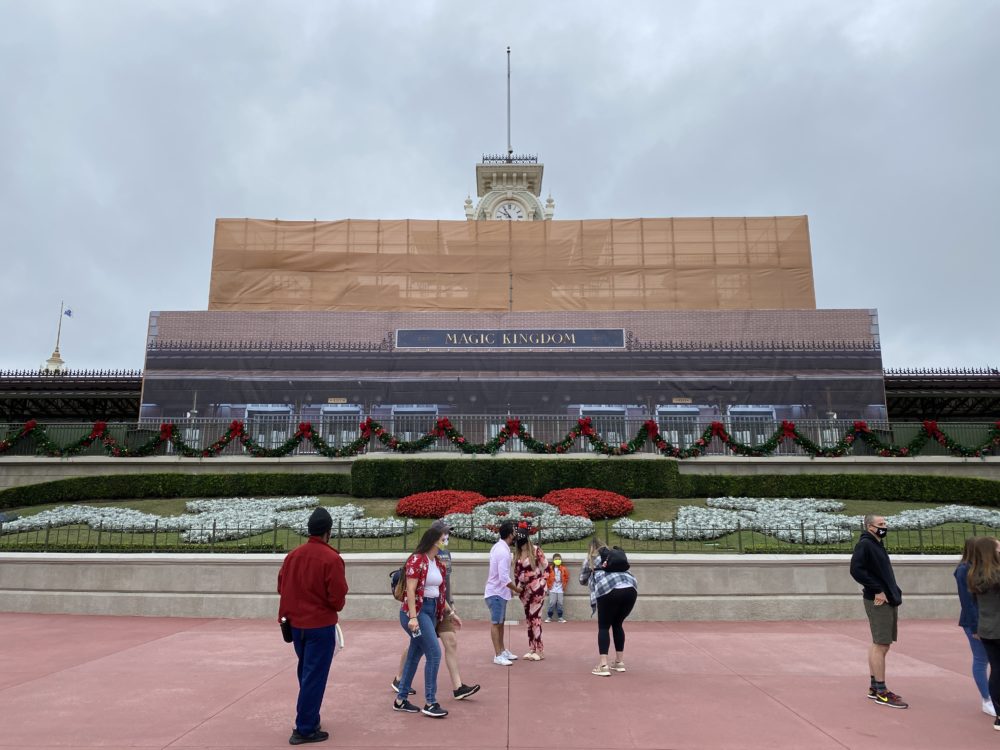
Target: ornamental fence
<point>346,435</point>
<point>669,537</point>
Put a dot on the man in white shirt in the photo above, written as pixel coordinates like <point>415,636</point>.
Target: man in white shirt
<point>498,591</point>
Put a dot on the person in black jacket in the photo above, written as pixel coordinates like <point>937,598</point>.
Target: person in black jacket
<point>871,568</point>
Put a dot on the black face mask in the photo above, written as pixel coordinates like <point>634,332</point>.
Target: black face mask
<point>880,532</point>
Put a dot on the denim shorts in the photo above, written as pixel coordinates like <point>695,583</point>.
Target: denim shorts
<point>498,609</point>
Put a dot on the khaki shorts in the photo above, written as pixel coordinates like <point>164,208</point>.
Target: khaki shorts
<point>883,620</point>
<point>447,625</point>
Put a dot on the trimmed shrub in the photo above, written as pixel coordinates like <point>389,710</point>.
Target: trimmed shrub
<point>392,477</point>
<point>137,486</point>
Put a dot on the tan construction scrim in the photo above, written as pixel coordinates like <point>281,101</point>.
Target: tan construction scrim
<point>599,264</point>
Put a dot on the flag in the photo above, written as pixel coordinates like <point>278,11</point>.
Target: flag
<point>68,313</point>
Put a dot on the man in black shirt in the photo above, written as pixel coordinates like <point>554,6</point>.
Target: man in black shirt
<point>871,568</point>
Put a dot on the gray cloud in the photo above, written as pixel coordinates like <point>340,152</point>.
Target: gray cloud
<point>129,127</point>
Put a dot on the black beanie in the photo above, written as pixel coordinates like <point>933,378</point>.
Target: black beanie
<point>320,522</point>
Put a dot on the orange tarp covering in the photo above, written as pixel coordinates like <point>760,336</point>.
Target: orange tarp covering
<point>599,264</point>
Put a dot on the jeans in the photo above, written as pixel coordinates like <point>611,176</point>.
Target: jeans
<point>979,662</point>
<point>314,647</point>
<point>555,605</point>
<point>426,645</point>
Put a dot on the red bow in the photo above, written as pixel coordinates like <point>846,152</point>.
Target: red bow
<point>787,429</point>
<point>236,428</point>
<point>30,425</point>
<point>652,429</point>
<point>930,426</point>
<point>366,428</point>
<point>166,431</point>
<point>585,428</point>
<point>305,429</point>
<point>99,428</point>
<point>443,426</point>
<point>514,426</point>
<point>861,426</point>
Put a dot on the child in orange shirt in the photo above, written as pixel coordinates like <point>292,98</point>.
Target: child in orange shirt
<point>556,580</point>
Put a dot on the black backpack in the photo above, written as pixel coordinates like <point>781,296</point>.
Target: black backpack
<point>397,583</point>
<point>614,560</point>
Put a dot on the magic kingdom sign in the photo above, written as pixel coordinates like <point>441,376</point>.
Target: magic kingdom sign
<point>520,338</point>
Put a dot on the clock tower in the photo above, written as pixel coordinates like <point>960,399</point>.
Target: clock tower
<point>509,188</point>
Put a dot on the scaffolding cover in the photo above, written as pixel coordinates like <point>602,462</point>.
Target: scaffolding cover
<point>600,264</point>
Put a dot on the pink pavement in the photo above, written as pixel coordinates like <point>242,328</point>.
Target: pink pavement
<point>74,682</point>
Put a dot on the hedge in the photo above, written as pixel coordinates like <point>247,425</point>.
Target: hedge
<point>493,477</point>
<point>134,486</point>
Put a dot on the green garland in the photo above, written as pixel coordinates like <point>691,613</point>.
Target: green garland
<point>443,428</point>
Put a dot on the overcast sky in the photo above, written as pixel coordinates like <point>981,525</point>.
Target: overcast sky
<point>127,128</point>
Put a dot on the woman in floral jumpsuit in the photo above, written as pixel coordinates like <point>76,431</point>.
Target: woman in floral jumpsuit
<point>529,574</point>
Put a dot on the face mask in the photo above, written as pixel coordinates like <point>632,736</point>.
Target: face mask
<point>557,562</point>
<point>444,541</point>
<point>880,532</point>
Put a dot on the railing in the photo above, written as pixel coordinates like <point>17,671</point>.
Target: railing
<point>273,431</point>
<point>947,539</point>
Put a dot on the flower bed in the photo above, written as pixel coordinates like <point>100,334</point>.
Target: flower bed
<point>543,520</point>
<point>436,504</point>
<point>596,504</point>
<point>799,521</point>
<point>217,520</point>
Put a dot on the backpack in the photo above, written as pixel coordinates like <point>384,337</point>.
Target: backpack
<point>615,561</point>
<point>397,583</point>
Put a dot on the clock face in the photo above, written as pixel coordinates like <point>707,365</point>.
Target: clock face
<point>510,211</point>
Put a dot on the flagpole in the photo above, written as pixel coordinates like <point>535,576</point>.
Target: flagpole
<point>59,329</point>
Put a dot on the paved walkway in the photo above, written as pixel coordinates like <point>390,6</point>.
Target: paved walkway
<point>125,682</point>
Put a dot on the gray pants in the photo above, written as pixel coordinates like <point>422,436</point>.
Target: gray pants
<point>555,605</point>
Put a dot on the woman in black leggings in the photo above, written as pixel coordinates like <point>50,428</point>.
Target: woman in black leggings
<point>612,595</point>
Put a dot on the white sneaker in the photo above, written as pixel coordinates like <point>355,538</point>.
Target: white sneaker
<point>508,655</point>
<point>561,620</point>
<point>546,620</point>
<point>502,661</point>
<point>988,707</point>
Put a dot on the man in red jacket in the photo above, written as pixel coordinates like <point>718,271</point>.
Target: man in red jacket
<point>313,589</point>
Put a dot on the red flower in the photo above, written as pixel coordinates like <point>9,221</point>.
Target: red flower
<point>437,503</point>
<point>904,451</point>
<point>366,428</point>
<point>560,449</point>
<point>623,446</point>
<point>591,503</point>
<point>585,428</point>
<point>699,441</point>
<point>460,440</point>
<point>849,439</point>
<point>393,443</point>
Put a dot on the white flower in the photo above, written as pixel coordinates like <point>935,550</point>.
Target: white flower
<point>551,524</point>
<point>218,520</point>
